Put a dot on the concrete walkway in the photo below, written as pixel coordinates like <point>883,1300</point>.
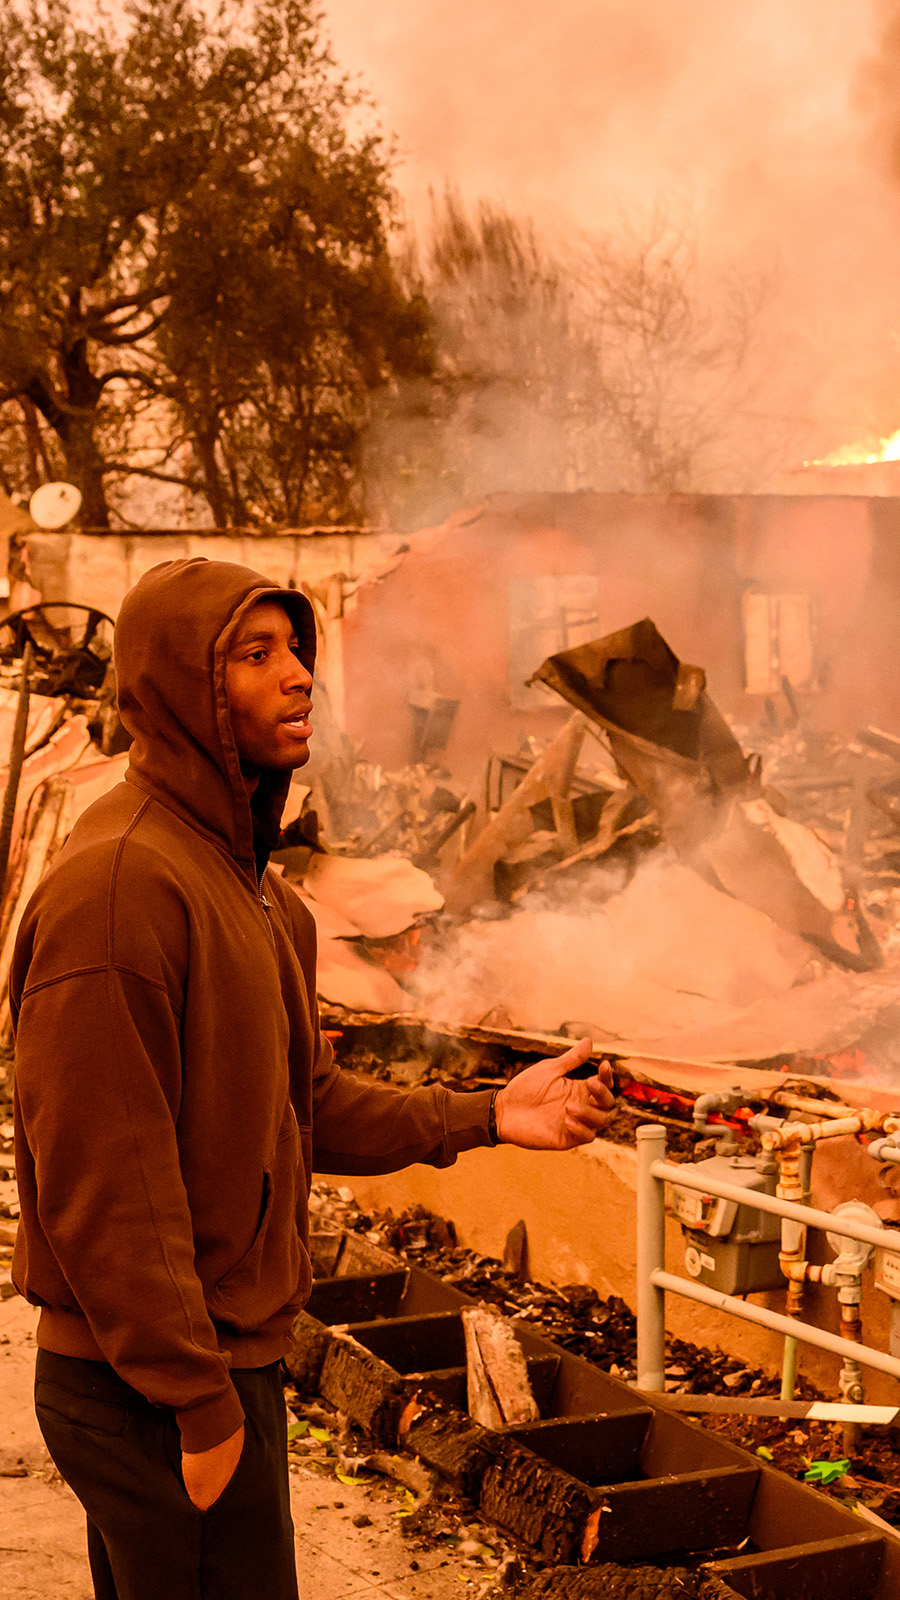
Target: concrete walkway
<point>42,1545</point>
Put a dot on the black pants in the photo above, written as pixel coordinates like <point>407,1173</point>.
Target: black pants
<point>146,1540</point>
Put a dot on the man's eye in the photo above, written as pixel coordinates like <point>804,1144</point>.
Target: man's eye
<point>257,655</point>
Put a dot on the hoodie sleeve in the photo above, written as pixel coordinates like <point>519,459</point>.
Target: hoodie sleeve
<point>361,1127</point>
<point>98,1082</point>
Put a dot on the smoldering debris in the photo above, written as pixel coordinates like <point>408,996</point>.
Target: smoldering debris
<point>677,750</point>
<point>369,901</point>
<point>575,1316</point>
<point>643,878</point>
<point>668,951</point>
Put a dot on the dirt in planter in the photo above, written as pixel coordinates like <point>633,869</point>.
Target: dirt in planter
<point>604,1331</point>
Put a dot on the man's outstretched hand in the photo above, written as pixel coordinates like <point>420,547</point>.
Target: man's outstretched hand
<point>542,1109</point>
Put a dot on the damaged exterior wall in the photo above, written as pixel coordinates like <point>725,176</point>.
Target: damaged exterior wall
<point>99,569</point>
<point>802,585</point>
<point>473,608</point>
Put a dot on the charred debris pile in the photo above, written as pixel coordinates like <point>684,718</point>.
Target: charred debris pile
<point>602,1331</point>
<point>682,889</point>
<point>575,1316</point>
<point>61,743</point>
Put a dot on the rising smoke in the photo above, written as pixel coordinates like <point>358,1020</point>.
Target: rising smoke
<point>767,128</point>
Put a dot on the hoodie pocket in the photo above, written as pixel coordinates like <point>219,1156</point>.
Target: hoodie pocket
<point>265,1278</point>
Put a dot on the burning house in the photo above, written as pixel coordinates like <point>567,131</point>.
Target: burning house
<point>763,590</point>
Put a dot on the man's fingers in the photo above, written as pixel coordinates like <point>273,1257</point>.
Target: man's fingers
<point>605,1072</point>
<point>582,1133</point>
<point>570,1059</point>
<point>600,1092</point>
<point>587,1117</point>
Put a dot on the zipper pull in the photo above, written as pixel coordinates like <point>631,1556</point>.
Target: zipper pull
<point>264,902</point>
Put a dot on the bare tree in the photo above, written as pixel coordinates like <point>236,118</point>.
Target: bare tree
<point>614,364</point>
<point>677,381</point>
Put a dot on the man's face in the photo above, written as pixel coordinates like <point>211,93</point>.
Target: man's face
<point>269,692</point>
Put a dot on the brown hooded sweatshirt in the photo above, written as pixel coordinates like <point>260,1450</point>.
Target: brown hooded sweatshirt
<point>173,1090</point>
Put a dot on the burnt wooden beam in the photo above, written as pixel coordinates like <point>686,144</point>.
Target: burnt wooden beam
<point>449,1441</point>
<point>309,1340</point>
<point>887,744</point>
<point>681,1511</point>
<point>541,1504</point>
<point>355,1381</point>
<point>617,1583</point>
<point>357,1299</point>
<point>600,1449</point>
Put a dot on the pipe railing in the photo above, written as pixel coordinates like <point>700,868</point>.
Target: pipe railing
<point>654,1172</point>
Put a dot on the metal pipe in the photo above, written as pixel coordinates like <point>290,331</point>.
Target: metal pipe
<point>725,1101</point>
<point>820,1108</point>
<point>884,1149</point>
<point>797,1133</point>
<point>806,1160</point>
<point>789,1367</point>
<point>688,1178</point>
<point>778,1323</point>
<point>792,1255</point>
<point>651,1257</point>
<point>793,1233</point>
<point>851,1379</point>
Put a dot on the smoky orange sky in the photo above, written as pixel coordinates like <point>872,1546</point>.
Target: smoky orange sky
<point>760,120</point>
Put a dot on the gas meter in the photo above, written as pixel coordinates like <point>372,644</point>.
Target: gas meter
<point>888,1279</point>
<point>728,1245</point>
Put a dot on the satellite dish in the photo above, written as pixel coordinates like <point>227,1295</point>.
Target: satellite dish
<point>54,504</point>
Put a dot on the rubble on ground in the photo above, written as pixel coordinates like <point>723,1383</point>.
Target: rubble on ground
<point>603,1331</point>
<point>643,879</point>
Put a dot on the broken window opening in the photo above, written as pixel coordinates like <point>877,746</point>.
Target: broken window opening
<point>778,642</point>
<point>547,615</point>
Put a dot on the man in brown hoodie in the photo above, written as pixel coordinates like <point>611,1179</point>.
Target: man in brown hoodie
<point>174,1094</point>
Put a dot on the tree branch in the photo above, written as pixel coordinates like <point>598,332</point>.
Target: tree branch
<point>131,303</point>
<point>132,376</point>
<point>110,336</point>
<point>126,471</point>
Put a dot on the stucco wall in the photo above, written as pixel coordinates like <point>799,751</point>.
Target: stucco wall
<point>579,1210</point>
<point>443,614</point>
<point>98,570</point>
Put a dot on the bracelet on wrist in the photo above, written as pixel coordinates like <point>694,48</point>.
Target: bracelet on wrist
<point>493,1134</point>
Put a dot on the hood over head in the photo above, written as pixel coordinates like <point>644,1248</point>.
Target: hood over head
<point>171,641</point>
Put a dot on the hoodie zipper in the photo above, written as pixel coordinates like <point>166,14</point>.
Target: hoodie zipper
<point>266,907</point>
